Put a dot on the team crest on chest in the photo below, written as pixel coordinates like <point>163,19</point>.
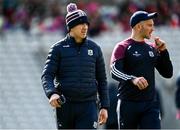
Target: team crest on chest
<point>151,54</point>
<point>90,52</point>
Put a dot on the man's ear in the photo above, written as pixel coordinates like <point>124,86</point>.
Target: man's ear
<point>139,26</point>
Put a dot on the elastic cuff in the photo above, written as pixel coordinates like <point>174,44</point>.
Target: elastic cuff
<point>104,108</point>
<point>49,96</point>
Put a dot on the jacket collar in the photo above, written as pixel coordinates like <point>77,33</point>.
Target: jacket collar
<point>72,41</point>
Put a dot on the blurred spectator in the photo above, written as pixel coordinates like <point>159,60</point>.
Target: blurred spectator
<point>57,17</point>
<point>36,10</point>
<point>1,24</point>
<point>164,11</point>
<point>22,17</point>
<point>97,24</point>
<point>176,11</point>
<point>9,9</point>
<point>125,10</point>
<point>177,98</point>
<point>1,21</point>
<point>54,19</point>
<point>174,22</point>
<point>47,15</point>
<point>1,18</point>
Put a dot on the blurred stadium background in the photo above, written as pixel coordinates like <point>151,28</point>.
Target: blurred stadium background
<point>29,27</point>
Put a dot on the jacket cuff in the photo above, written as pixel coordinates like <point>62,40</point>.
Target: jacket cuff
<point>105,105</point>
<point>104,108</point>
<point>51,93</point>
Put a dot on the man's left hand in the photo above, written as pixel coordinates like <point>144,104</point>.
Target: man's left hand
<point>103,115</point>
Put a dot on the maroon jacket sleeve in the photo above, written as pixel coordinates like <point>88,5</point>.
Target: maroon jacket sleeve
<point>118,52</point>
<point>117,60</point>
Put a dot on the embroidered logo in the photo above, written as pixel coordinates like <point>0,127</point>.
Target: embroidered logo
<point>66,46</point>
<point>90,52</point>
<point>151,54</point>
<point>128,47</point>
<point>136,54</point>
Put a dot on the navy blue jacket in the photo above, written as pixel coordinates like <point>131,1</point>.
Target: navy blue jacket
<point>131,59</point>
<point>78,72</point>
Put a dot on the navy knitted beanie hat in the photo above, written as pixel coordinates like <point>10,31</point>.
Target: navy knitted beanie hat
<point>75,16</point>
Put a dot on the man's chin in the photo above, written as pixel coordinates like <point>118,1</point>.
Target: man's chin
<point>84,36</point>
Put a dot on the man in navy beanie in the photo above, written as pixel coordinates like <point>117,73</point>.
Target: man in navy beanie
<point>74,76</point>
<point>133,64</point>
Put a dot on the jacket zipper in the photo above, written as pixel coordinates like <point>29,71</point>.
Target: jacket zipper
<point>79,49</point>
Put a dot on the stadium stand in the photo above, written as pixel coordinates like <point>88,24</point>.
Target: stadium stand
<point>23,104</point>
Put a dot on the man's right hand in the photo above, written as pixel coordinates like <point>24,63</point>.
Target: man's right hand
<point>54,100</point>
<point>160,44</point>
<point>140,82</point>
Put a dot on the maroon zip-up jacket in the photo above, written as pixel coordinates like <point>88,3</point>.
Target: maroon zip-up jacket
<point>132,59</point>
